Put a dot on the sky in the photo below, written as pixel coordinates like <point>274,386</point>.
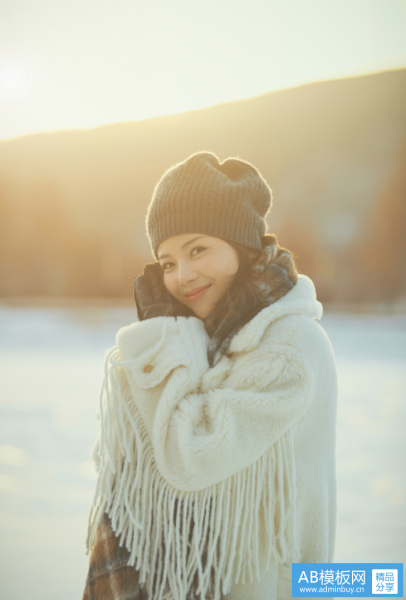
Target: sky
<point>84,63</point>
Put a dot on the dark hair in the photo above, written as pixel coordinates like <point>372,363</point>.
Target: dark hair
<point>262,278</point>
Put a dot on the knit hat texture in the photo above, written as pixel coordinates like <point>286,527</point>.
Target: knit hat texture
<point>229,200</point>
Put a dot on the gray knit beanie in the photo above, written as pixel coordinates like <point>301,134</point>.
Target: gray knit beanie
<point>228,200</point>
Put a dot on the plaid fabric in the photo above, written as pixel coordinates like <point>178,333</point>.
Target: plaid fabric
<point>109,577</point>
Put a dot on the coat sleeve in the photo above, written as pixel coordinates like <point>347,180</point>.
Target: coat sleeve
<point>203,437</point>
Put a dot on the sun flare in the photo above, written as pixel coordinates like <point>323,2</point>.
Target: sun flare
<point>14,81</point>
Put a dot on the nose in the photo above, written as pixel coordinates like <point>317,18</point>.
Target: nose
<point>185,274</point>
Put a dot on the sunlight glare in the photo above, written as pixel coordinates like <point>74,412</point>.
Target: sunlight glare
<point>14,81</point>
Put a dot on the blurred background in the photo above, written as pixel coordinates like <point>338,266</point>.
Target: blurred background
<point>97,100</point>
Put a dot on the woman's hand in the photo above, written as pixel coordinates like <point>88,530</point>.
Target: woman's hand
<point>153,299</point>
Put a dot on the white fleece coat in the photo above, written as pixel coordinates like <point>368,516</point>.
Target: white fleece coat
<point>246,448</point>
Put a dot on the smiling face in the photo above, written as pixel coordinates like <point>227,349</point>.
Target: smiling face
<point>198,269</point>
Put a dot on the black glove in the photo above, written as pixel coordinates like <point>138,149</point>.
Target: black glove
<point>153,299</point>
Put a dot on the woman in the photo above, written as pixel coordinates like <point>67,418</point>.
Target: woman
<point>216,456</point>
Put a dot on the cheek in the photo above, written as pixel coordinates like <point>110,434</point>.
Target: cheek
<point>226,266</point>
<point>170,284</point>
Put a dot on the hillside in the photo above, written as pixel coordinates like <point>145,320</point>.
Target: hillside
<point>72,203</point>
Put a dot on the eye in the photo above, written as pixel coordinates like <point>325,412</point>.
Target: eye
<point>201,248</point>
<point>165,265</point>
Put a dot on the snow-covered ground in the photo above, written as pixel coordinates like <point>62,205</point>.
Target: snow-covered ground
<point>51,363</point>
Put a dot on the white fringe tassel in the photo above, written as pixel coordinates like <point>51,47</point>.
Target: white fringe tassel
<point>155,521</point>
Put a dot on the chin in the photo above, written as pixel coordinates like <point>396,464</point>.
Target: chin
<point>203,313</point>
<point>199,314</point>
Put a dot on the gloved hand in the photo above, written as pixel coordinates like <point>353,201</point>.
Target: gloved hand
<point>153,299</point>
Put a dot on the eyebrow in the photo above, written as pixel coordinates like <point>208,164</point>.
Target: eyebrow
<point>184,246</point>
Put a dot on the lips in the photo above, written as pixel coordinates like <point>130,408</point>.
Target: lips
<point>197,293</point>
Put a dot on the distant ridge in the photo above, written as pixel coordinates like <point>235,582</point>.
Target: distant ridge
<point>326,148</point>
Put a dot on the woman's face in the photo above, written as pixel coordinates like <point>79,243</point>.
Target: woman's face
<point>198,269</point>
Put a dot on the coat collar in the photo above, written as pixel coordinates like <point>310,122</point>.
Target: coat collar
<point>301,299</point>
